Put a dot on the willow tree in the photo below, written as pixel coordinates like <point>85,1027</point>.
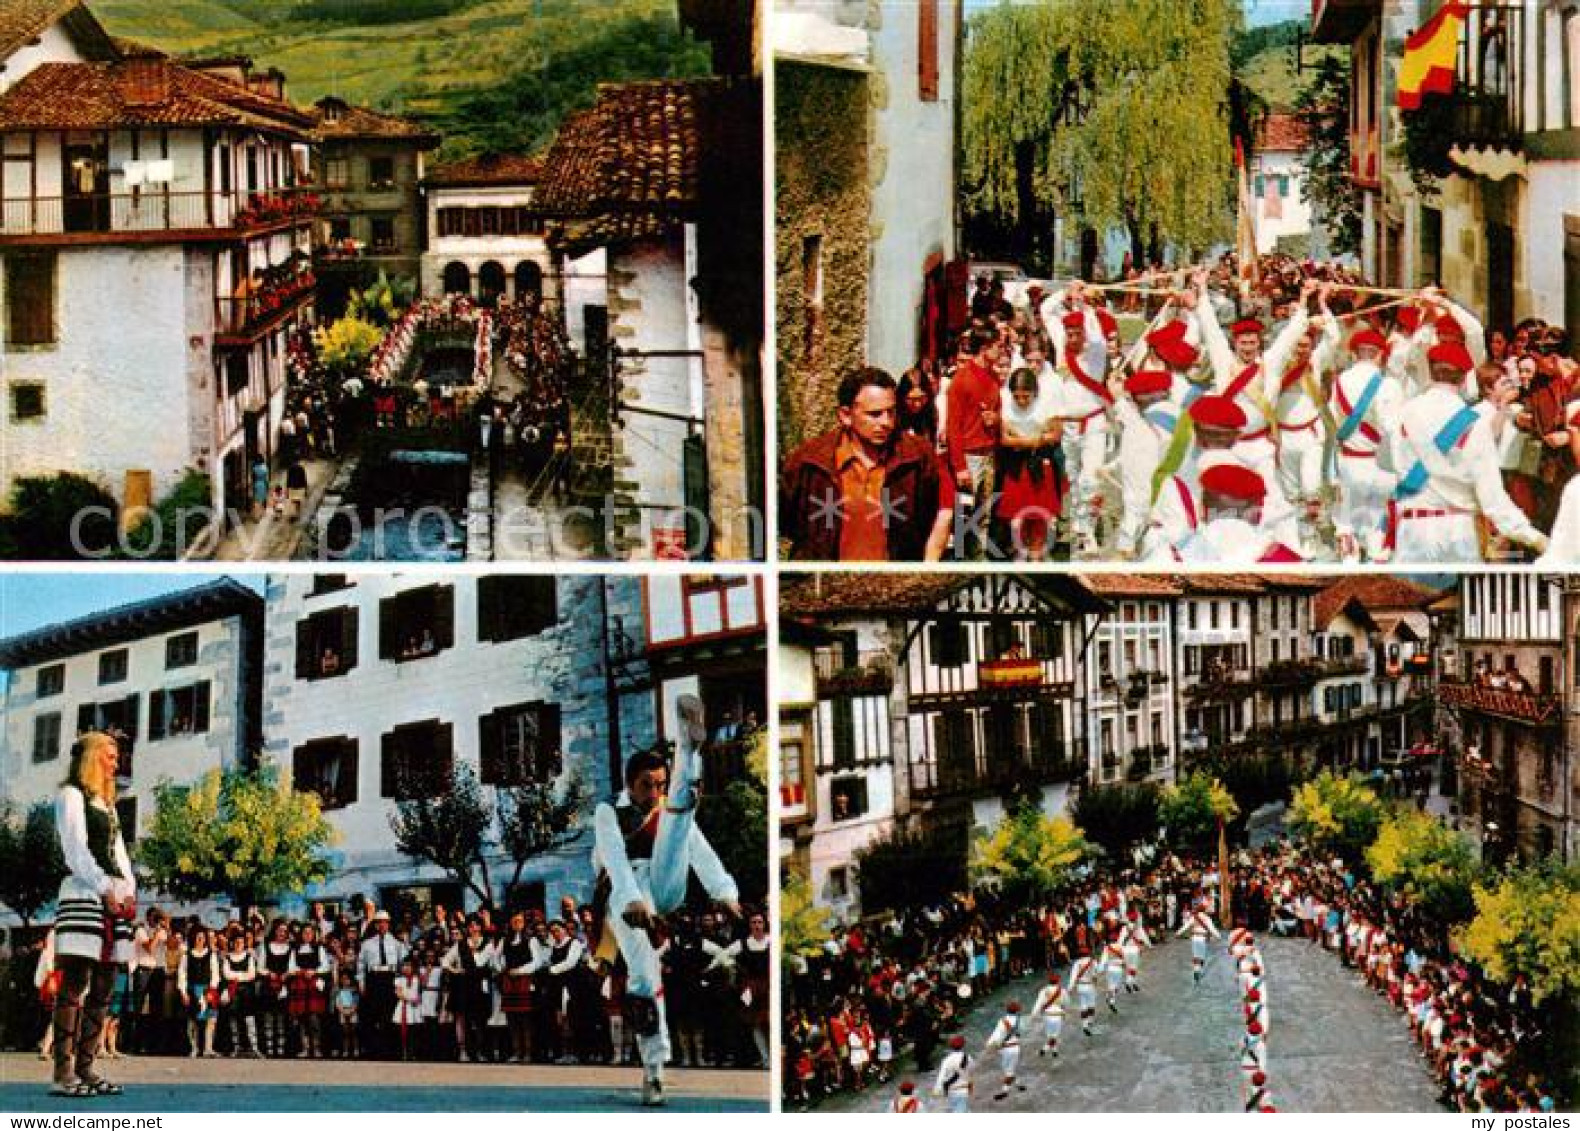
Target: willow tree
<point>1152,151</point>
<point>1013,84</point>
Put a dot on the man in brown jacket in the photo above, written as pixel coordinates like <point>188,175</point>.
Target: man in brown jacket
<point>864,491</point>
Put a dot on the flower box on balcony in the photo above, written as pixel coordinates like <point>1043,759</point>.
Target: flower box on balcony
<point>1009,673</point>
<point>792,796</point>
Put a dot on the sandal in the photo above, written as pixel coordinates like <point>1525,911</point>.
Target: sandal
<point>75,1090</point>
<point>102,1087</point>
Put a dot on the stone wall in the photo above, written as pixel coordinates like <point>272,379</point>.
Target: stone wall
<point>821,191</point>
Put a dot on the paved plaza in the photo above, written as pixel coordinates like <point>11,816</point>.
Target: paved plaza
<point>1334,1045</point>
<point>174,1084</point>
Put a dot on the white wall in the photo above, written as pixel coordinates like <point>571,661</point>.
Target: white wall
<point>134,329</point>
<point>54,46</point>
<point>1295,218</point>
<point>1552,192</point>
<point>474,251</point>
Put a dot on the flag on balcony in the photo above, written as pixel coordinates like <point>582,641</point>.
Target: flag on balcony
<point>1429,55</point>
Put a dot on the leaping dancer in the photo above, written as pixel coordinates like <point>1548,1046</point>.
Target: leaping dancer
<point>1199,926</point>
<point>646,845</point>
<point>1006,1039</point>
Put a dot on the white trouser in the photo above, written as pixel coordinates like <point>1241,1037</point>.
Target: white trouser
<point>1450,539</point>
<point>1008,1060</point>
<point>959,1103</point>
<point>1086,995</point>
<point>1300,463</point>
<point>1198,948</point>
<point>663,882</point>
<point>1085,450</point>
<point>1116,975</point>
<point>1052,1025</point>
<point>1364,491</point>
<point>1132,960</point>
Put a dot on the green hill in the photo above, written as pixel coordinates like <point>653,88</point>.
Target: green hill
<point>436,68</point>
<point>1271,72</point>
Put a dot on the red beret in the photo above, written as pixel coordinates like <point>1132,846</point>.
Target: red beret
<point>1253,995</point>
<point>907,1087</point>
<point>1451,353</point>
<point>1368,337</point>
<point>1409,319</point>
<point>1446,327</point>
<point>1259,1079</point>
<point>1013,1007</point>
<point>1247,326</point>
<point>1073,319</point>
<point>1214,411</point>
<point>1149,382</point>
<point>957,1042</point>
<point>1171,331</point>
<point>1234,481</point>
<point>1053,979</point>
<point>1254,1028</point>
<point>1177,355</point>
<point>1107,321</point>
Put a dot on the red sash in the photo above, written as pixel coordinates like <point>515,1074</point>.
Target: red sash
<point>1238,385</point>
<point>1095,387</point>
<point>1188,501</point>
<point>1292,375</point>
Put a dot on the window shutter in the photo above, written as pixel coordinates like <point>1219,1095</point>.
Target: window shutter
<point>488,608</point>
<point>387,622</point>
<point>301,776</point>
<point>844,732</point>
<point>550,754</point>
<point>927,50</point>
<point>346,787</point>
<point>543,601</point>
<point>306,665</point>
<point>490,748</point>
<point>86,717</point>
<point>444,757</point>
<point>444,616</point>
<point>156,715</point>
<point>200,707</point>
<point>389,771</point>
<point>132,702</point>
<point>348,639</point>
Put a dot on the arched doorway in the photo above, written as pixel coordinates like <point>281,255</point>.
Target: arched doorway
<point>490,282</point>
<point>457,279</point>
<point>529,280</point>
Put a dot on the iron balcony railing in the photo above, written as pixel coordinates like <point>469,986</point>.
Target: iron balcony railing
<point>150,210</point>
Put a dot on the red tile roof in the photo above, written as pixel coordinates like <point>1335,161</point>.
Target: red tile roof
<point>87,96</point>
<point>1132,584</point>
<point>1283,133</point>
<point>829,594</point>
<point>1376,593</point>
<point>489,169</point>
<point>358,123</point>
<point>24,20</point>
<point>1207,584</point>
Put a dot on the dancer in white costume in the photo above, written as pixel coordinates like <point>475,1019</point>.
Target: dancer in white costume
<point>1006,1039</point>
<point>1199,926</point>
<point>1050,1007</point>
<point>646,846</point>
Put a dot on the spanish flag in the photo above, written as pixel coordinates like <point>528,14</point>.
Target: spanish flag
<point>1429,54</point>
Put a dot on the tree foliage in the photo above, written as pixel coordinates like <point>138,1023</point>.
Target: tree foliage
<point>913,867</point>
<point>168,531</point>
<point>736,823</point>
<point>1323,105</point>
<point>1116,818</point>
<point>241,834</point>
<point>1529,924</point>
<point>44,509</point>
<point>541,817</point>
<point>1028,852</point>
<point>449,830</point>
<point>803,926</point>
<point>1254,781</point>
<point>1191,810</point>
<point>1417,854</point>
<point>345,347</point>
<point>31,863</point>
<point>1336,814</point>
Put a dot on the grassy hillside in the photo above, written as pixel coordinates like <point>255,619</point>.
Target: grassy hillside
<point>431,68</point>
<point>1271,72</point>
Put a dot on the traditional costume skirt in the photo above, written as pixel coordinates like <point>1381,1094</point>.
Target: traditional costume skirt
<point>309,993</point>
<point>516,990</point>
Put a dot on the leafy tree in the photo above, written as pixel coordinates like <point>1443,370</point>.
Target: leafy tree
<point>541,817</point>
<point>1416,853</point>
<point>241,834</point>
<point>345,347</point>
<point>912,866</point>
<point>803,926</point>
<point>167,532</point>
<point>64,517</point>
<point>1529,924</point>
<point>1029,852</point>
<point>449,829</point>
<point>1118,817</point>
<point>1336,814</point>
<point>736,823</point>
<point>1191,810</point>
<point>1254,781</point>
<point>1323,105</point>
<point>1151,151</point>
<point>31,863</point>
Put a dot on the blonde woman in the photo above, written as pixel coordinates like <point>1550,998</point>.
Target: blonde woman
<point>99,887</point>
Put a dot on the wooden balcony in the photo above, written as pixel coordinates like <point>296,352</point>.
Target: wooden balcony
<point>241,320</point>
<point>1527,707</point>
<point>1486,109</point>
<point>871,674</point>
<point>152,216</point>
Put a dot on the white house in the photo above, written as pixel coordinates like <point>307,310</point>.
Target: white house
<point>1278,177</point>
<point>155,238</point>
<point>485,239</point>
<point>378,684</point>
<point>1213,663</point>
<point>911,51</point>
<point>1130,716</point>
<point>179,676</point>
